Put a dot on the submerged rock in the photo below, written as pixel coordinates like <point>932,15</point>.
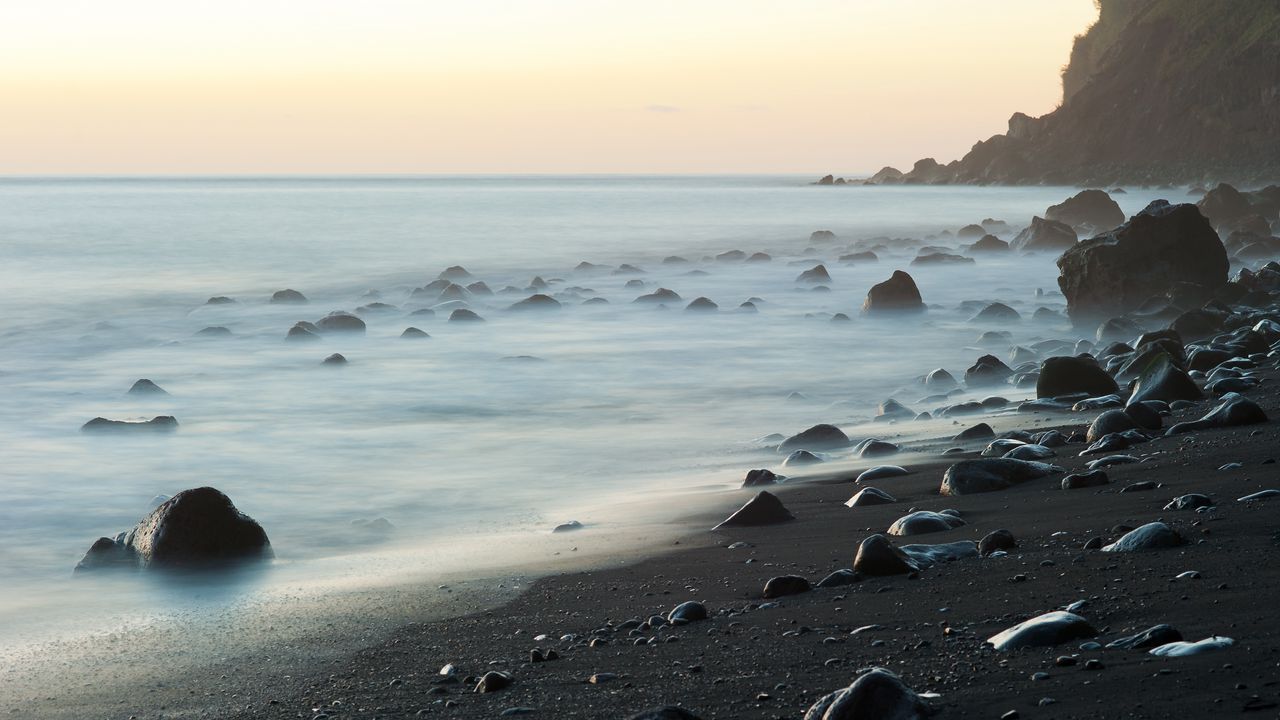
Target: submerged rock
<point>159,423</point>
<point>339,321</point>
<point>288,296</point>
<point>763,509</point>
<point>875,694</point>
<point>537,302</point>
<point>1047,630</point>
<point>464,315</point>
<point>816,274</point>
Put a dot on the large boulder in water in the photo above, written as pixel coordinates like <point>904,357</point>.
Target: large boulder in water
<point>1065,375</point>
<point>537,302</point>
<point>877,693</point>
<point>1093,209</point>
<point>159,423</point>
<point>991,474</point>
<point>195,529</point>
<point>1044,236</point>
<point>1224,205</point>
<point>899,294</point>
<point>339,321</point>
<point>818,437</point>
<point>1116,272</point>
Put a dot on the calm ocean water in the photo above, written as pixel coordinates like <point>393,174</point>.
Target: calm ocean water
<point>448,438</point>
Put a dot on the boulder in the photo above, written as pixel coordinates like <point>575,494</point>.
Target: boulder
<point>785,585</point>
<point>878,556</point>
<point>146,387</point>
<point>816,274</point>
<point>688,611</point>
<point>763,509</point>
<point>669,712</point>
<point>1045,630</point>
<point>413,333</point>
<point>1116,272</point>
<point>758,478</point>
<point>1111,421</point>
<point>923,522</point>
<point>334,359</point>
<point>339,321</point>
<point>839,578</point>
<point>1154,636</point>
<point>870,496</point>
<point>1047,236</point>
<point>157,424</point>
<point>802,457</point>
<point>880,472</point>
<point>537,301</point>
<point>986,371</point>
<point>997,313</point>
<point>1079,481</point>
<point>1162,379</point>
<point>1065,375</point>
<point>968,477</point>
<point>897,294</point>
<point>1152,536</point>
<point>996,540</point>
<point>463,315</point>
<point>989,244</point>
<point>1092,209</point>
<point>1224,205</point>
<point>818,437</point>
<point>1234,410</point>
<point>876,694</point>
<point>701,304</point>
<point>287,296</point>
<point>661,295</point>
<point>981,431</point>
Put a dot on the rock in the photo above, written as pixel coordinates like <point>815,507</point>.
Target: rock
<point>991,474</point>
<point>1152,536</point>
<point>981,431</point>
<point>1093,209</point>
<point>687,612</point>
<point>537,302</point>
<point>701,304</point>
<point>1151,637</point>
<point>1260,495</point>
<point>875,695</point>
<point>800,458</point>
<point>1224,205</point>
<point>570,526</point>
<point>1163,380</point>
<point>334,359</point>
<point>1234,410</point>
<point>146,387</point>
<point>464,315</point>
<point>763,509</point>
<point>661,295</point>
<point>941,258</point>
<point>1030,452</point>
<point>816,274</point>
<point>1190,501</point>
<point>996,540</point>
<point>839,578</point>
<point>784,585</point>
<point>925,556</point>
<point>413,333</point>
<point>288,296</point>
<point>874,447</point>
<point>214,331</point>
<point>1078,481</point>
<point>870,496</point>
<point>878,556</point>
<point>758,478</point>
<point>988,370</point>
<point>996,313</point>
<point>1044,236</point>
<point>220,300</point>
<point>1144,416</point>
<point>923,522</point>
<point>107,554</point>
<point>1187,649</point>
<point>880,472</point>
<point>454,272</point>
<point>1065,375</point>
<point>1047,630</point>
<point>818,437</point>
<point>893,410</point>
<point>1116,272</point>
<point>897,294</point>
<point>494,681</point>
<point>1111,421</point>
<point>338,321</point>
<point>159,423</point>
<point>989,244</point>
<point>669,712</point>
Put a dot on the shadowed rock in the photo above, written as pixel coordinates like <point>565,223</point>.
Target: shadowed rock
<point>763,509</point>
<point>991,474</point>
<point>335,359</point>
<point>785,585</point>
<point>686,612</point>
<point>463,315</point>
<point>661,295</point>
<point>1234,410</point>
<point>870,496</point>
<point>1162,379</point>
<point>1079,481</point>
<point>288,296</point>
<point>923,522</point>
<point>1093,209</point>
<point>1154,636</point>
<point>818,437</point>
<point>701,305</point>
<point>816,274</point>
<point>537,302</point>
<point>880,472</point>
<point>1044,236</point>
<point>1046,630</point>
<point>158,424</point>
<point>878,556</point>
<point>876,694</point>
<point>897,294</point>
<point>670,712</point>
<point>146,387</point>
<point>1066,375</point>
<point>339,321</point>
<point>996,540</point>
<point>413,333</point>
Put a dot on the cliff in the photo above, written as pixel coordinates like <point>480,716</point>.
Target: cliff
<point>1156,91</point>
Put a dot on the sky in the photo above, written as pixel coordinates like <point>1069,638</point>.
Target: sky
<point>519,86</point>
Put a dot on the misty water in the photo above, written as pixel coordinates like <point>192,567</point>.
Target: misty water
<point>483,433</point>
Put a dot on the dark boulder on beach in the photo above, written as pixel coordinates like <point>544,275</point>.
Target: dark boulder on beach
<point>1045,630</point>
<point>991,474</point>
<point>688,611</point>
<point>1152,536</point>
<point>1065,375</point>
<point>1093,209</point>
<point>996,540</point>
<point>1116,272</point>
<point>146,387</point>
<point>669,712</point>
<point>1234,410</point>
<point>763,509</point>
<point>493,681</point>
<point>869,496</point>
<point>288,296</point>
<point>196,529</point>
<point>339,321</point>
<point>818,437</point>
<point>897,294</point>
<point>1162,379</point>
<point>922,522</point>
<point>981,431</point>
<point>1224,205</point>
<point>759,478</point>
<point>1111,421</point>
<point>537,302</point>
<point>1044,236</point>
<point>1090,479</point>
<point>661,295</point>
<point>784,585</point>
<point>158,424</point>
<point>878,556</point>
<point>1153,636</point>
<point>875,694</point>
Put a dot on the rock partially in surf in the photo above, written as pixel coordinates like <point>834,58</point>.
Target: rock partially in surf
<point>214,331</point>
<point>463,315</point>
<point>880,472</point>
<point>107,554</point>
<point>301,333</point>
<point>1047,630</point>
<point>146,387</point>
<point>759,478</point>
<point>784,585</point>
<point>1043,235</point>
<point>413,333</point>
<point>877,693</point>
<point>570,526</point>
<point>687,612</point>
<point>661,295</point>
<point>1152,536</point>
<point>537,302</point>
<point>1116,272</point>
<point>1089,209</point>
<point>923,522</point>
<point>818,437</point>
<point>989,244</point>
<point>1154,636</point>
<point>939,380</point>
<point>893,410</point>
<point>822,236</point>
<point>897,294</point>
<point>799,458</point>
<point>1234,410</point>
<point>1066,375</point>
<point>1091,479</point>
<point>220,300</point>
<point>763,509</point>
<point>339,321</point>
<point>997,313</point>
<point>701,305</point>
<point>158,424</point>
<point>1224,205</point>
<point>988,370</point>
<point>815,274</point>
<point>288,296</point>
<point>335,359</point>
<point>969,477</point>
<point>995,541</point>
<point>870,496</point>
<point>874,447</point>
<point>454,273</point>
<point>981,431</point>
<point>879,557</point>
<point>1031,451</point>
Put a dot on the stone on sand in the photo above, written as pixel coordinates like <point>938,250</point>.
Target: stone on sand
<point>874,695</point>
<point>1065,375</point>
<point>784,585</point>
<point>870,496</point>
<point>991,474</point>
<point>763,509</point>
<point>922,522</point>
<point>878,556</point>
<point>1152,536</point>
<point>818,437</point>
<point>1047,630</point>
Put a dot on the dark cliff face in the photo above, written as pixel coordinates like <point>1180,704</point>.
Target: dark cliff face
<point>1157,91</point>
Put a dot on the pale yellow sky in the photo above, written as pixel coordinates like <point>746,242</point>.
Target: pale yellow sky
<point>436,86</point>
